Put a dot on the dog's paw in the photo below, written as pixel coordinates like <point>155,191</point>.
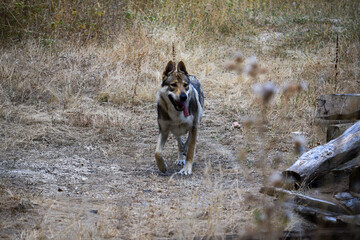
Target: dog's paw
<point>161,163</point>
<point>180,162</point>
<point>187,169</point>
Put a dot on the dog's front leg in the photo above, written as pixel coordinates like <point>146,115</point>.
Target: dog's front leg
<point>187,169</point>
<point>181,152</point>
<point>160,160</point>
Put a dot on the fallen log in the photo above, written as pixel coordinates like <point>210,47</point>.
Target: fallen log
<point>338,107</point>
<point>349,166</point>
<point>350,219</point>
<point>354,180</point>
<point>323,213</point>
<point>350,201</point>
<point>320,218</point>
<point>327,219</point>
<point>334,131</point>
<point>304,200</point>
<point>320,233</point>
<point>307,234</point>
<point>322,159</point>
<point>339,179</point>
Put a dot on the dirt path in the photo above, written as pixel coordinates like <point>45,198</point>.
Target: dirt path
<point>101,180</point>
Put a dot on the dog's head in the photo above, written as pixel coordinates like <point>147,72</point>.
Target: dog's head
<point>178,85</point>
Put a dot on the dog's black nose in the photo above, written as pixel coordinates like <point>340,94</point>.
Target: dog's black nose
<point>183,97</point>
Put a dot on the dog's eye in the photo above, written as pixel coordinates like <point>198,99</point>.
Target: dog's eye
<point>173,85</point>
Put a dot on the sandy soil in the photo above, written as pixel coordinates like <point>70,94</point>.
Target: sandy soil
<point>92,174</point>
<point>72,178</point>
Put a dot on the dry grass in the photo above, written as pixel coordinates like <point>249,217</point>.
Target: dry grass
<point>77,93</point>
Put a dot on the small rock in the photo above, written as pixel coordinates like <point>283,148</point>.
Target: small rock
<point>171,232</point>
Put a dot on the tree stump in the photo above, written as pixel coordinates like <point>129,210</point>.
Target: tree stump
<point>338,107</point>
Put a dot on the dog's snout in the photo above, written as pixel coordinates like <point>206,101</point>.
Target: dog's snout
<point>183,97</point>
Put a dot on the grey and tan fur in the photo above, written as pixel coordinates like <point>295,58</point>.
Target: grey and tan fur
<point>180,102</point>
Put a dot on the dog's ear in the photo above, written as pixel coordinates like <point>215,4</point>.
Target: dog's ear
<point>181,68</point>
<point>170,67</point>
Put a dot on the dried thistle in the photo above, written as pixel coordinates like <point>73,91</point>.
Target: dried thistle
<point>276,161</point>
<point>236,63</point>
<point>173,52</point>
<point>230,66</point>
<point>138,71</point>
<point>239,57</point>
<point>265,91</point>
<point>290,89</point>
<point>263,70</point>
<point>249,66</point>
<point>252,68</point>
<point>336,60</point>
<point>275,180</point>
<point>300,143</point>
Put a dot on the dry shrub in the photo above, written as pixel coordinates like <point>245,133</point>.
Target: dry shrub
<point>135,76</point>
<point>32,74</point>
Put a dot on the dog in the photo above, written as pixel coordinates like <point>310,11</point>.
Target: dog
<point>180,102</point>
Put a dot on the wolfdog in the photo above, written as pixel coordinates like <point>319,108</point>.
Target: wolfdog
<point>180,102</point>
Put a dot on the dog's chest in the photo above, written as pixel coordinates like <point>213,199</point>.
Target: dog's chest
<point>179,124</point>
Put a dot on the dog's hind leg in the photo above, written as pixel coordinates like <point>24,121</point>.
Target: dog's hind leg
<point>181,158</point>
<point>160,160</point>
<point>186,145</point>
